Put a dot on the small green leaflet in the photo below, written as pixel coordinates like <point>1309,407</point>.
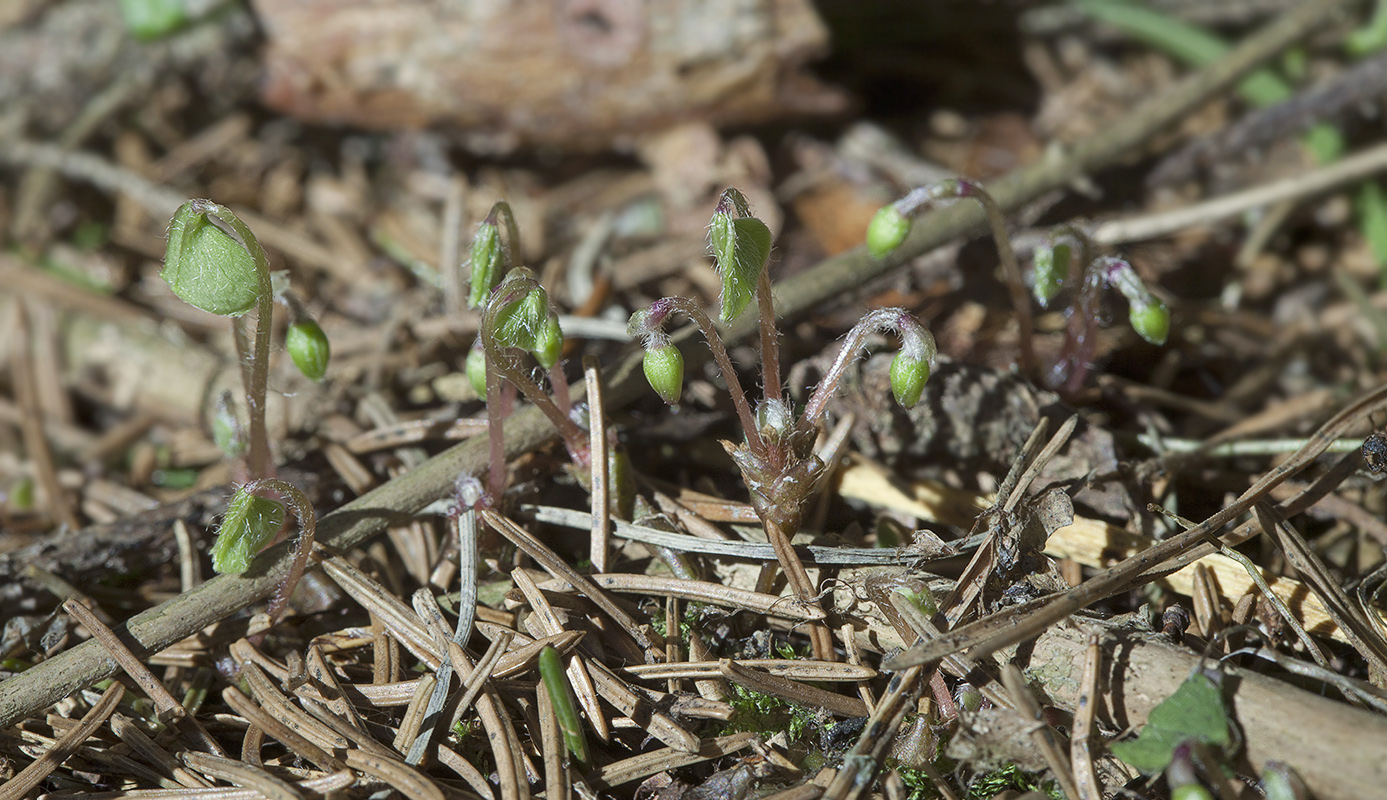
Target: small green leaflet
<point>1196,711</point>
<point>742,247</point>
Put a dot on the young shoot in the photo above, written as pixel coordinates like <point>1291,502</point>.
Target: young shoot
<point>517,318</point>
<point>777,459</point>
<point>215,263</point>
<point>891,225</point>
<point>1054,260</point>
<point>253,522</point>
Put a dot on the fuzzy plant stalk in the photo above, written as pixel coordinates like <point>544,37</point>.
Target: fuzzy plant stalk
<point>1052,268</point>
<point>777,459</point>
<point>517,317</point>
<point>253,522</point>
<point>891,225</point>
<point>215,263</point>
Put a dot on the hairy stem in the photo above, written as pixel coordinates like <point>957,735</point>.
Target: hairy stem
<point>1011,270</point>
<point>729,373</point>
<point>496,436</point>
<point>308,525</point>
<point>882,319</point>
<point>255,375</point>
<point>800,584</point>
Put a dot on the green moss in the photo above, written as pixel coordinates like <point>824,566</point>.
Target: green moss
<point>766,714</point>
<point>1011,777</point>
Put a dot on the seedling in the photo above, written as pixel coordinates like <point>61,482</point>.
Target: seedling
<point>214,262</point>
<point>517,318</point>
<point>1052,271</point>
<point>889,228</point>
<point>1052,262</point>
<point>253,522</point>
<point>776,459</point>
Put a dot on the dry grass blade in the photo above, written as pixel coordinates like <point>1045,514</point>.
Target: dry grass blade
<point>793,691</point>
<point>33,775</point>
<point>860,764</point>
<point>247,777</point>
<point>170,711</point>
<point>615,774</point>
<point>395,774</point>
<point>1085,710</point>
<point>712,593</point>
<point>628,702</point>
<point>984,636</point>
<point>394,614</point>
<point>601,492</point>
<point>301,722</point>
<point>556,783</point>
<point>271,725</point>
<point>556,566</point>
<point>684,543</point>
<point>1363,635</point>
<point>317,786</point>
<point>138,741</point>
<point>780,667</point>
<point>1043,736</point>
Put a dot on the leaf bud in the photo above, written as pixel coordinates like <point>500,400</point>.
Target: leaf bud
<point>205,266</point>
<point>476,368</point>
<point>1150,320</point>
<point>908,376</point>
<point>308,347</point>
<point>250,523</point>
<point>887,230</point>
<point>664,369</point>
<point>741,248</point>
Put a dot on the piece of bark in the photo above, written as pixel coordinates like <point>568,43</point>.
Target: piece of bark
<point>576,74</point>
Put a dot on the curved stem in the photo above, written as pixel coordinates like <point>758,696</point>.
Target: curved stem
<point>1011,269</point>
<point>308,526</point>
<point>729,373</point>
<point>882,319</point>
<point>574,437</point>
<point>496,435</point>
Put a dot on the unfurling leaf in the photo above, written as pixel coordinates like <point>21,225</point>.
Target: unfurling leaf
<point>308,347</point>
<point>664,369</point>
<point>1050,268</point>
<point>548,343</point>
<point>741,247</point>
<point>887,230</point>
<point>205,266</point>
<point>486,262</point>
<point>250,523</point>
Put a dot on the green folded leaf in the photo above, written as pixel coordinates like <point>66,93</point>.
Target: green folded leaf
<point>250,523</point>
<point>741,247</point>
<point>206,267</point>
